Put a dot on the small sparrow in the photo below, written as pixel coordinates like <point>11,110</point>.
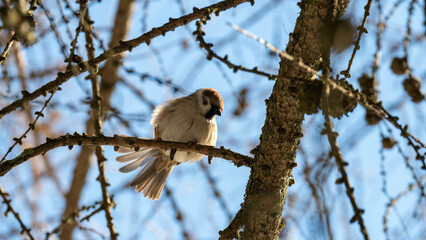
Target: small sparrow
<point>186,119</point>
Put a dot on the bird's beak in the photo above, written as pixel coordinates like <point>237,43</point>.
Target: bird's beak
<point>217,111</point>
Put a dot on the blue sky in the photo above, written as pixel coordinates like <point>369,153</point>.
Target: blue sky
<point>139,217</point>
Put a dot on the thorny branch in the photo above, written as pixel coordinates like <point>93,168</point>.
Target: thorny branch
<point>117,141</point>
<point>9,208</point>
<point>22,77</point>
<point>122,47</point>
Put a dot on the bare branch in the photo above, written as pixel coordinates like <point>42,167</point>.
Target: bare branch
<point>96,104</point>
<point>335,151</point>
<point>122,47</point>
<point>31,125</point>
<point>15,38</point>
<point>216,192</point>
<point>394,201</point>
<point>275,50</point>
<point>9,208</point>
<point>211,54</point>
<point>132,142</point>
<point>179,214</point>
<point>72,217</point>
<point>360,97</point>
<point>361,29</point>
<point>6,50</point>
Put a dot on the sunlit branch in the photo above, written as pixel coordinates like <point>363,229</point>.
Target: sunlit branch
<point>15,38</point>
<point>132,142</point>
<point>211,54</point>
<point>349,91</point>
<point>275,50</point>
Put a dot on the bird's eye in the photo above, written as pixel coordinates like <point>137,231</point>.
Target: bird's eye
<point>205,101</point>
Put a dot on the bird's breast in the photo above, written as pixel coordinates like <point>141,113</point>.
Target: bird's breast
<point>202,131</point>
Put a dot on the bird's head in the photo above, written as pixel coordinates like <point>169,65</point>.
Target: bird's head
<point>210,102</point>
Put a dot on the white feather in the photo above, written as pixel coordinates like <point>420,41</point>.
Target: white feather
<point>181,120</point>
<point>133,155</point>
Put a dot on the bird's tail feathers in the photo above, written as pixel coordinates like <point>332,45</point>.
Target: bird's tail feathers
<point>125,150</point>
<point>156,185</point>
<point>142,158</point>
<point>151,181</point>
<point>142,153</point>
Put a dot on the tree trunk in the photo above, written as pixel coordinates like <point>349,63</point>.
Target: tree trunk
<point>270,176</point>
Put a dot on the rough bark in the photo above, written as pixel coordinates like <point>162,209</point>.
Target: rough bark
<point>266,191</point>
<point>121,26</point>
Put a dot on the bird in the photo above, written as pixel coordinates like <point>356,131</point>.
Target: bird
<point>190,119</point>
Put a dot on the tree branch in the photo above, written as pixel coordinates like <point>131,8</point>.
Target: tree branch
<point>335,150</point>
<point>132,142</point>
<point>9,208</point>
<point>96,114</point>
<point>361,29</point>
<point>109,71</point>
<point>122,47</point>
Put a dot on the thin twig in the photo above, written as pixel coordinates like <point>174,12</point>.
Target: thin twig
<point>211,54</point>
<point>335,151</point>
<point>72,217</point>
<point>145,76</point>
<point>274,49</point>
<point>15,38</point>
<point>55,30</point>
<point>394,201</point>
<point>6,50</point>
<point>179,215</point>
<point>31,125</point>
<point>9,208</point>
<point>217,193</point>
<point>361,29</point>
<point>344,179</point>
<point>380,28</point>
<point>97,122</point>
<point>122,47</point>
<point>408,27</point>
<point>350,91</point>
